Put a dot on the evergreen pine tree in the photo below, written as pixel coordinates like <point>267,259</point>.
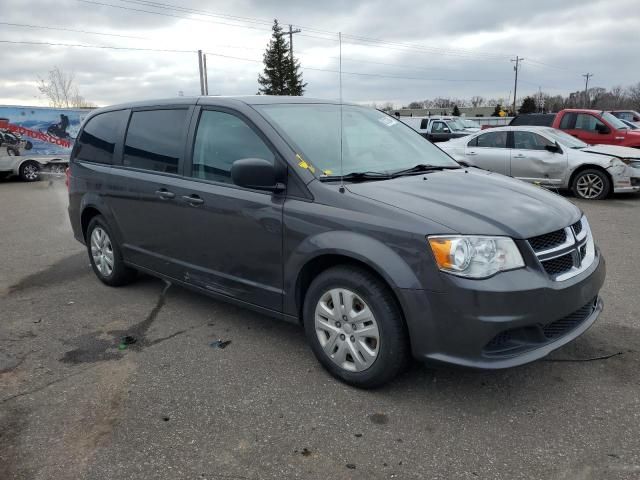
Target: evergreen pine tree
<point>528,105</point>
<point>296,85</point>
<point>280,76</point>
<point>456,111</point>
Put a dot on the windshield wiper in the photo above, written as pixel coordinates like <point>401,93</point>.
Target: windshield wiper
<point>357,176</point>
<point>421,167</point>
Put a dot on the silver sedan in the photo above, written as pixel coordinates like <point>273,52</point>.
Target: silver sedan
<point>550,157</point>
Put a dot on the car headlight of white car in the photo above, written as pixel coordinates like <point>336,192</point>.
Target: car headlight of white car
<point>475,256</point>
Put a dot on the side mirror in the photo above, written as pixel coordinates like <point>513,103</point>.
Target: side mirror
<point>553,148</point>
<point>256,173</point>
<point>602,128</point>
<point>446,130</point>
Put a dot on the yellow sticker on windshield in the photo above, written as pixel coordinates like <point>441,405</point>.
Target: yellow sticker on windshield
<point>327,172</point>
<point>304,164</point>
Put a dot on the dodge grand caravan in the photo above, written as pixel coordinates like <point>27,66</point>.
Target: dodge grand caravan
<point>392,252</point>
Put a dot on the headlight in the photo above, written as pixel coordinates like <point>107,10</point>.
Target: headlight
<point>632,162</point>
<point>475,256</point>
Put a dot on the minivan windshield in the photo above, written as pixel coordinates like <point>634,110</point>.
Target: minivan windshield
<point>372,141</point>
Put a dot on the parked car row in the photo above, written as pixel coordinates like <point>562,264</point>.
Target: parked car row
<point>550,157</point>
<point>441,128</point>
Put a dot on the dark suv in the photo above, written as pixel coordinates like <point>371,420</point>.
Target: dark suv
<point>338,217</point>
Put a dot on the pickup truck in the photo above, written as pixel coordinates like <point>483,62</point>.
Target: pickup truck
<point>435,129</point>
<point>591,126</point>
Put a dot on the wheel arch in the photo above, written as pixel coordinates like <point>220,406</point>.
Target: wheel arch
<point>88,213</point>
<point>365,252</point>
<point>589,166</point>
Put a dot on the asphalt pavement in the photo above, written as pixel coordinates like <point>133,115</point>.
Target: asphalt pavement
<point>78,402</point>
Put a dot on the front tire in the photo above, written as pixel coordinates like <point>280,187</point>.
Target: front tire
<point>105,255</point>
<point>30,171</point>
<point>591,184</point>
<point>355,327</point>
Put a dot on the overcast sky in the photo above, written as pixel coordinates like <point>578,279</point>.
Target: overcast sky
<point>459,48</point>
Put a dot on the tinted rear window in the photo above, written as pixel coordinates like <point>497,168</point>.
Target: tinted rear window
<point>155,140</point>
<point>98,139</point>
<point>542,120</point>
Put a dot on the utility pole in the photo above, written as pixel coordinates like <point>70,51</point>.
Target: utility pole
<point>206,79</point>
<point>586,87</point>
<point>201,73</point>
<point>291,32</point>
<point>517,61</point>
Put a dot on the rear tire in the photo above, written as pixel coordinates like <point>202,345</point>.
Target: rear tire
<point>591,184</point>
<point>29,171</point>
<point>377,349</point>
<point>105,255</point>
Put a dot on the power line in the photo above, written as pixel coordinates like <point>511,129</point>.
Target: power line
<point>108,47</point>
<point>365,74</point>
<point>24,25</point>
<point>168,6</point>
<point>353,38</point>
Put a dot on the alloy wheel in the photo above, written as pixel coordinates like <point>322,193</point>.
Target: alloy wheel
<point>347,330</point>
<point>590,186</point>
<point>102,251</point>
<point>30,172</point>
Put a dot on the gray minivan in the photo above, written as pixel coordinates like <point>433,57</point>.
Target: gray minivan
<point>340,218</point>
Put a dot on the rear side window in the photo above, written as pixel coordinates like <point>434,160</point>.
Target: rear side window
<point>492,140</point>
<point>222,139</point>
<point>424,123</point>
<point>99,136</point>
<point>155,140</point>
<point>568,121</point>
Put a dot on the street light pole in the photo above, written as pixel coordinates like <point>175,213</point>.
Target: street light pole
<point>517,61</point>
<point>291,32</point>
<point>586,87</point>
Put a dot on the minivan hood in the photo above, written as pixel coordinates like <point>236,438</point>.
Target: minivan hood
<point>613,150</point>
<point>472,201</point>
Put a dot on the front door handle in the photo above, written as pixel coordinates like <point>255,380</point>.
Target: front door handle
<point>518,156</point>
<point>193,200</point>
<point>471,153</point>
<point>165,194</point>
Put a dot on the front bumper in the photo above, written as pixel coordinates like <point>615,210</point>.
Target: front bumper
<point>508,320</point>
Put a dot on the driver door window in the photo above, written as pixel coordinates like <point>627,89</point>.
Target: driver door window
<point>439,127</point>
<point>222,139</point>
<point>587,122</point>
<point>530,141</point>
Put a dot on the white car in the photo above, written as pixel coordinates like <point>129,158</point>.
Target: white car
<point>469,125</point>
<point>29,167</point>
<point>550,157</point>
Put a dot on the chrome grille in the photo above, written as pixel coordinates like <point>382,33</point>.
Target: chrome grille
<point>548,240</point>
<point>577,227</point>
<point>566,252</point>
<point>558,265</point>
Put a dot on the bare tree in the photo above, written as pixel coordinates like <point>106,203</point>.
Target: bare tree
<point>477,101</point>
<point>61,90</point>
<point>387,107</point>
<point>633,94</point>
